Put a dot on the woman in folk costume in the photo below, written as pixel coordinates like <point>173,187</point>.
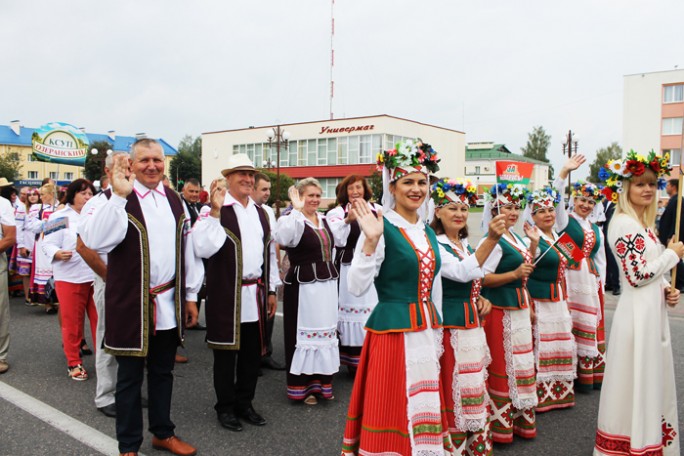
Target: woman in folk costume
<point>310,297</point>
<point>353,310</point>
<point>554,345</point>
<point>511,381</point>
<point>25,241</point>
<point>42,265</point>
<point>397,404</point>
<point>585,280</point>
<point>466,355</point>
<point>638,406</point>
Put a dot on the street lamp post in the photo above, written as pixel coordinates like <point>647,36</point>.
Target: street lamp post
<point>570,147</point>
<point>279,137</point>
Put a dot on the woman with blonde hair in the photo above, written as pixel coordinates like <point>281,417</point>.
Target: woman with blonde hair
<point>310,296</point>
<point>638,405</point>
<point>42,265</point>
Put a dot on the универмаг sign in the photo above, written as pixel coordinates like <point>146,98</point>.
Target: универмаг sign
<point>59,142</point>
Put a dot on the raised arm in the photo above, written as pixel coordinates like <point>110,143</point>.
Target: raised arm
<point>559,183</point>
<point>370,250</point>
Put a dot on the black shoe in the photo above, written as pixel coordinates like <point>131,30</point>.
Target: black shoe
<point>252,417</point>
<point>609,287</point>
<point>108,410</point>
<point>617,292</point>
<point>198,327</point>
<point>229,421</point>
<point>270,363</point>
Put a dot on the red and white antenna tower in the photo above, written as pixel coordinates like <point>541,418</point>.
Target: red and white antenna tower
<point>332,55</point>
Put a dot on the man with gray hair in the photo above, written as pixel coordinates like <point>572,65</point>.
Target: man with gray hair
<point>151,289</point>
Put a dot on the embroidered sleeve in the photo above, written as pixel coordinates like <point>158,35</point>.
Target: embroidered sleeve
<point>630,250</point>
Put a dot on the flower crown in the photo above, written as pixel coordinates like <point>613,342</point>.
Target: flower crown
<point>446,191</point>
<point>616,171</point>
<point>407,157</point>
<point>587,190</point>
<point>505,194</point>
<point>543,198</point>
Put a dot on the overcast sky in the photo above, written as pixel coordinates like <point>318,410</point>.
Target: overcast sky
<point>493,69</point>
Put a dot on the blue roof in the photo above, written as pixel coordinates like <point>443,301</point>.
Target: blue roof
<point>121,143</point>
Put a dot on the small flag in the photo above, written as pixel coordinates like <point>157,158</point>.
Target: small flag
<point>511,172</point>
<point>567,247</point>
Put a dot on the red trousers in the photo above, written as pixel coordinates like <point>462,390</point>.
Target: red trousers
<point>75,299</point>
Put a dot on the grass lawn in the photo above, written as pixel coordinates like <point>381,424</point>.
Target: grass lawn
<point>476,209</point>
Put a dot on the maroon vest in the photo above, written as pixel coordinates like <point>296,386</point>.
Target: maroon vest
<point>224,285</point>
<point>311,260</point>
<point>345,255</point>
<point>129,312</point>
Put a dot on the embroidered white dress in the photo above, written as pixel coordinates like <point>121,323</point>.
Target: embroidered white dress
<point>353,310</point>
<point>638,408</point>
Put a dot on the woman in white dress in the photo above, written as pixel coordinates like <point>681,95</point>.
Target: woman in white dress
<point>42,265</point>
<point>638,407</point>
<point>309,297</point>
<point>585,280</point>
<point>353,310</point>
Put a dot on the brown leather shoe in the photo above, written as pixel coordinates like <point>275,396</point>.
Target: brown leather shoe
<point>181,359</point>
<point>174,445</point>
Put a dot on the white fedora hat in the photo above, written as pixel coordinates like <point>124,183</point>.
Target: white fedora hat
<point>238,162</point>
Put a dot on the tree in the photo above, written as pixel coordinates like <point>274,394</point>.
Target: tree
<point>285,183</point>
<point>94,164</point>
<point>375,182</point>
<point>537,146</point>
<point>10,166</point>
<point>188,161</point>
<point>612,152</point>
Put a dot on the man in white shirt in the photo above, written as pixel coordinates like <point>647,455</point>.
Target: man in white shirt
<point>262,192</point>
<point>8,232</point>
<point>143,229</point>
<point>241,273</point>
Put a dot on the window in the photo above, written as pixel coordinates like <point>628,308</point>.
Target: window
<point>311,153</point>
<point>353,150</point>
<point>33,174</point>
<point>301,152</point>
<point>29,157</point>
<point>365,149</point>
<point>69,176</point>
<point>672,126</point>
<point>477,170</point>
<point>332,151</point>
<point>322,151</point>
<point>329,185</point>
<point>292,153</point>
<point>13,156</point>
<point>673,94</point>
<point>376,146</point>
<point>54,175</point>
<point>675,156</point>
<point>342,156</point>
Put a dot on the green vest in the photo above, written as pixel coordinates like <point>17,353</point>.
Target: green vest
<point>510,296</point>
<point>399,307</point>
<point>459,299</point>
<point>576,232</point>
<point>545,282</point>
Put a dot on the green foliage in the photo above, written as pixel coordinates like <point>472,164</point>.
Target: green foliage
<point>375,182</point>
<point>10,166</point>
<point>285,183</point>
<point>612,152</point>
<point>188,162</point>
<point>537,146</point>
<point>94,165</point>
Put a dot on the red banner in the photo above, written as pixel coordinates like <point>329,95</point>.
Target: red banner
<point>569,249</point>
<point>512,172</point>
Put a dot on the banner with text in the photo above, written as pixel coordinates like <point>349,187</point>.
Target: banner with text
<point>59,142</point>
<point>511,172</point>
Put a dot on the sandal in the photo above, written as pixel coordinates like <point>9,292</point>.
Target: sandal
<point>311,400</point>
<point>78,373</point>
<point>28,303</point>
<point>85,350</point>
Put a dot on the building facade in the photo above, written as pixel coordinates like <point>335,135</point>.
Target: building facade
<point>653,113</point>
<point>481,160</point>
<point>329,150</point>
<point>15,142</point>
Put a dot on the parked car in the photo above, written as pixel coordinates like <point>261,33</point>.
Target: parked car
<point>480,200</point>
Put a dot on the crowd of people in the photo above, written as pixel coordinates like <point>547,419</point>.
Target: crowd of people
<point>453,344</point>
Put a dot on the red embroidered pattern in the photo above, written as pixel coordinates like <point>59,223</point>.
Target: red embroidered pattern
<point>476,286</point>
<point>621,444</point>
<point>630,249</point>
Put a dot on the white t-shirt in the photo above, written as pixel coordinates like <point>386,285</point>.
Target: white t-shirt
<point>6,214</point>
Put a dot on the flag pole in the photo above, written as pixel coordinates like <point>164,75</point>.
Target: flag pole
<point>678,220</point>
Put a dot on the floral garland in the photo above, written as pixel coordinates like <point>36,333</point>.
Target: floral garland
<point>545,197</point>
<point>615,172</point>
<point>408,156</point>
<point>587,190</point>
<point>505,194</point>
<point>446,191</point>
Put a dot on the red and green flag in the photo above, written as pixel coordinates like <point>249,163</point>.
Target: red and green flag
<point>567,247</point>
<point>512,172</point>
